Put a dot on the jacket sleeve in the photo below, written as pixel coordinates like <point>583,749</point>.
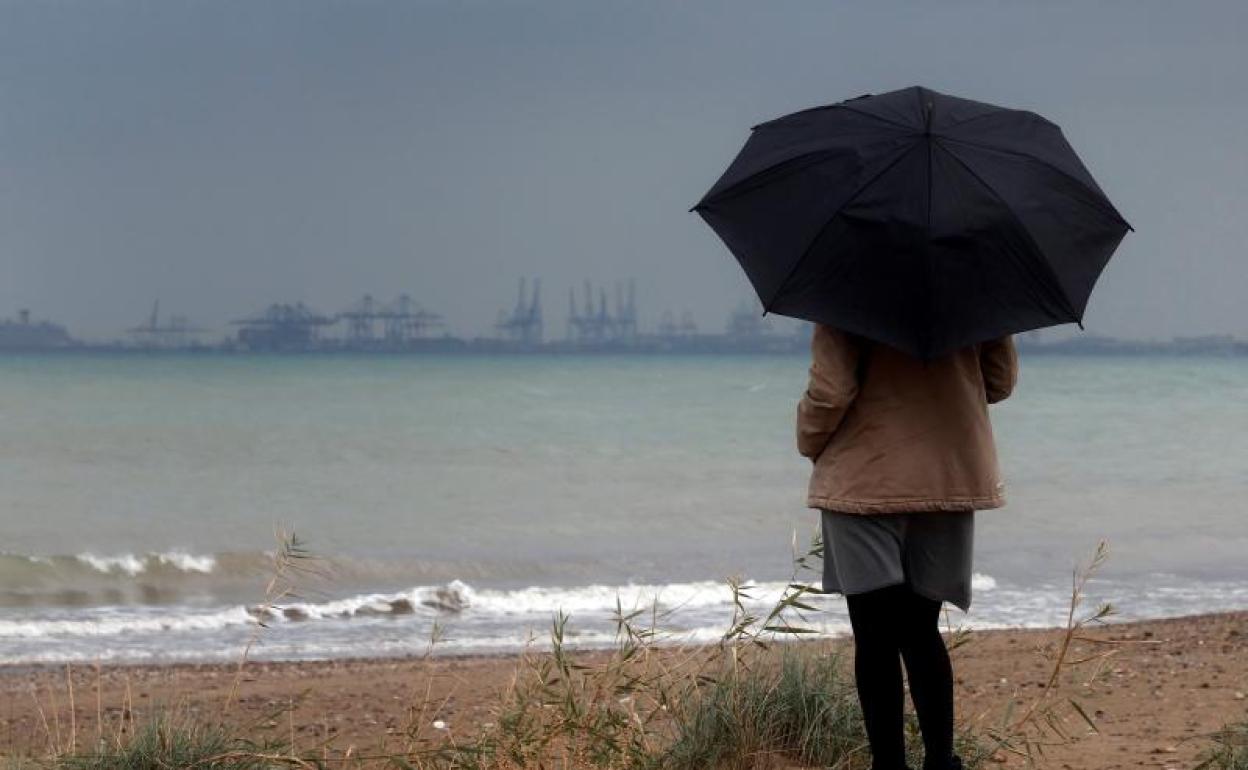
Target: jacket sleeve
<point>998,360</point>
<point>832,388</point>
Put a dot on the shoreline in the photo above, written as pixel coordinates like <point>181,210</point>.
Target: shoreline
<point>447,650</point>
<point>776,345</point>
<point>541,645</point>
<point>1171,683</point>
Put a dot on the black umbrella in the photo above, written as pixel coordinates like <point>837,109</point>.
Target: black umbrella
<point>917,219</point>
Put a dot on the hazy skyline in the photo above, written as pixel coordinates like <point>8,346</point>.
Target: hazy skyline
<point>222,156</point>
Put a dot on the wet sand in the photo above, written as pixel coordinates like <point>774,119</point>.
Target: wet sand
<point>1170,684</point>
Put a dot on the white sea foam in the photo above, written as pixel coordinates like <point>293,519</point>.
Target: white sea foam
<point>452,599</point>
<point>133,566</point>
<point>113,622</point>
<point>126,562</point>
<point>982,582</point>
<point>188,562</point>
<point>459,597</point>
<point>455,598</point>
<point>499,620</point>
<point>537,599</point>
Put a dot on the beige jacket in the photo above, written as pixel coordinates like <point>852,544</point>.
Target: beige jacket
<point>889,433</point>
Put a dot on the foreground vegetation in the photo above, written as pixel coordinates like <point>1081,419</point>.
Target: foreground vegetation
<point>171,739</point>
<point>744,703</point>
<point>1229,750</point>
<point>786,707</point>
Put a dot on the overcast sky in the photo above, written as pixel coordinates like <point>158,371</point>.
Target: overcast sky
<point>222,156</point>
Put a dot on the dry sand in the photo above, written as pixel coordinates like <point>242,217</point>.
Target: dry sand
<point>1171,683</point>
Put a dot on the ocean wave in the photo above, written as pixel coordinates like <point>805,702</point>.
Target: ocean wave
<point>14,565</point>
<point>106,623</point>
<point>136,565</point>
<point>91,578</point>
<point>340,645</point>
<point>177,575</point>
<point>476,619</point>
<point>689,606</point>
<point>458,597</point>
<point>454,599</point>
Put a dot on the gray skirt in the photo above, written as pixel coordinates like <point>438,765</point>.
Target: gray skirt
<point>929,551</point>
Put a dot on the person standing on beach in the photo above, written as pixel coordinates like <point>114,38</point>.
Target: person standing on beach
<point>903,455</point>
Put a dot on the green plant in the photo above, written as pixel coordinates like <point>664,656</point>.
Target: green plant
<point>1046,721</point>
<point>173,739</point>
<point>804,708</point>
<point>291,562</point>
<point>1229,749</point>
<point>648,703</point>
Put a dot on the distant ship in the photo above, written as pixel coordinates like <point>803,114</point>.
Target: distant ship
<point>24,334</point>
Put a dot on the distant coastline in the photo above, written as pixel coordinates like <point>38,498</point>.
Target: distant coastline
<point>448,345</point>
<point>1095,345</point>
<point>708,344</point>
<point>294,330</point>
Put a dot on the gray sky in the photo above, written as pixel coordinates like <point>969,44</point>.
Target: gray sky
<point>225,155</point>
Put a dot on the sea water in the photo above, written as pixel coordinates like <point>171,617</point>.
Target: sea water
<point>470,498</point>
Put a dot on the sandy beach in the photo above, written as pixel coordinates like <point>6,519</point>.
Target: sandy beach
<point>1170,683</point>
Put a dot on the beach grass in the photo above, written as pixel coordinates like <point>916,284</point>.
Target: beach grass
<point>747,702</point>
<point>173,738</point>
<point>804,708</point>
<point>798,708</point>
<point>1228,750</point>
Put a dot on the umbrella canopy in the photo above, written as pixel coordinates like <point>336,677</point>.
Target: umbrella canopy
<point>917,219</point>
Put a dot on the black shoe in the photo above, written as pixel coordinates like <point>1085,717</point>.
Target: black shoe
<point>954,764</point>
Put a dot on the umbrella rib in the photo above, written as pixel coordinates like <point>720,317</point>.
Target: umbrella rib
<point>734,188</point>
<point>1098,197</point>
<point>928,259</point>
<point>927,107</point>
<point>901,153</point>
<point>974,118</point>
<point>807,111</point>
<point>1050,275</point>
<point>996,114</point>
<point>738,186</point>
<point>873,116</point>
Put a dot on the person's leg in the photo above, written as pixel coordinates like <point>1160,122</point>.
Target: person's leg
<point>877,671</point>
<point>931,678</point>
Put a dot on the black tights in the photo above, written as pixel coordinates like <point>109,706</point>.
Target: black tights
<point>892,623</point>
